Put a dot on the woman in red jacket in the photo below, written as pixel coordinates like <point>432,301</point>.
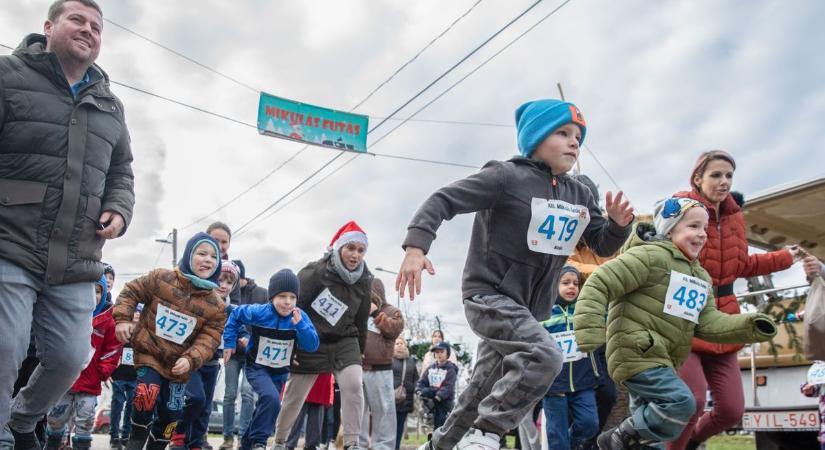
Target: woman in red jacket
<point>726,258</point>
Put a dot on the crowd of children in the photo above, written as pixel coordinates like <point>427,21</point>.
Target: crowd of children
<point>546,336</point>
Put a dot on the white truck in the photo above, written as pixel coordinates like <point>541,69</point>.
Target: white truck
<point>780,417</point>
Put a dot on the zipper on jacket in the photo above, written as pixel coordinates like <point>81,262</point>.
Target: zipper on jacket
<point>570,364</point>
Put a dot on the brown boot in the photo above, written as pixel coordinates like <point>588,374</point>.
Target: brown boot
<point>228,443</point>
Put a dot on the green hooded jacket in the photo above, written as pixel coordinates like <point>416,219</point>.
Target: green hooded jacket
<point>640,335</point>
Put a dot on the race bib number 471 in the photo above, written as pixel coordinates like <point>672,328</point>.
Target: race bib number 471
<point>686,296</point>
<point>173,325</point>
<point>275,353</point>
<point>566,340</point>
<point>556,226</point>
<point>329,307</point>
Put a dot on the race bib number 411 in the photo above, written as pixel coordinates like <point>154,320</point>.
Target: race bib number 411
<point>686,296</point>
<point>173,325</point>
<point>556,226</point>
<point>329,307</point>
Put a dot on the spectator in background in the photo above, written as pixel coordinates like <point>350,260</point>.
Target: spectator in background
<point>436,338</point>
<point>404,375</point>
<point>437,384</point>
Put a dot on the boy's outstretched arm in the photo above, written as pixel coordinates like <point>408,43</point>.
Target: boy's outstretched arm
<point>477,192</point>
<point>606,236</point>
<point>718,327</point>
<point>135,291</point>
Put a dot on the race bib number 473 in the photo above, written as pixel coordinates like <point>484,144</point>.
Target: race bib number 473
<point>556,226</point>
<point>686,296</point>
<point>329,307</point>
<point>173,325</point>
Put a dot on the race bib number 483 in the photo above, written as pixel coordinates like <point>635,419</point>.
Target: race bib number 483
<point>686,296</point>
<point>556,226</point>
<point>329,307</point>
<point>566,340</point>
<point>274,353</point>
<point>816,374</point>
<point>173,325</point>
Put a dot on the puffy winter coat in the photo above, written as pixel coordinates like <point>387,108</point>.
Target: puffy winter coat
<point>171,289</point>
<point>64,159</point>
<point>586,261</point>
<point>725,257</point>
<point>315,279</point>
<point>106,356</point>
<point>574,375</point>
<point>640,335</point>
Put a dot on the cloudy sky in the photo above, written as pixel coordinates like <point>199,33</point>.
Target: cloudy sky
<point>658,82</point>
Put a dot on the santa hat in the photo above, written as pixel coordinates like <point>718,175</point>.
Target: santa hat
<point>350,232</point>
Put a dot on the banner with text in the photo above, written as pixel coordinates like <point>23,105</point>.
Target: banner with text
<point>297,121</point>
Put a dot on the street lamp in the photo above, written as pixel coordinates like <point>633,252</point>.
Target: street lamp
<point>397,296</point>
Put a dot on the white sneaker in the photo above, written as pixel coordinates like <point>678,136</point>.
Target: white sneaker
<point>277,446</point>
<point>476,439</point>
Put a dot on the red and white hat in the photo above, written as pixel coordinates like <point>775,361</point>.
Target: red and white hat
<point>350,232</point>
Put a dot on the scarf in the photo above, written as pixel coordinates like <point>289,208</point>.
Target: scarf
<point>349,277</point>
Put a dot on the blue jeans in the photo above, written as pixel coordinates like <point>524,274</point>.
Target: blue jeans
<point>123,393</point>
<point>198,407</point>
<point>60,317</point>
<point>269,388</point>
<point>563,432</point>
<point>400,427</point>
<point>232,377</point>
<point>661,404</point>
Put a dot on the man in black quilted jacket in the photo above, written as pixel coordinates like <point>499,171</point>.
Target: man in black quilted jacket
<point>66,186</point>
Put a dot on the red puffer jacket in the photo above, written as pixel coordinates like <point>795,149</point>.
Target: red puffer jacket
<point>106,355</point>
<point>726,258</point>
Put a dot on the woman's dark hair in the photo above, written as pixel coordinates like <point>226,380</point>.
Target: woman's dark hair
<point>219,226</point>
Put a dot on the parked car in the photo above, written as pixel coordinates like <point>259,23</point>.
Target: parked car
<point>216,419</point>
<point>102,421</point>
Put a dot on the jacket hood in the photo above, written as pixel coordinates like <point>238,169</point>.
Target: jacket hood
<point>185,264</point>
<point>33,49</point>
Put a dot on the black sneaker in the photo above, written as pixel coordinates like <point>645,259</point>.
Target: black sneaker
<point>115,444</point>
<point>25,441</point>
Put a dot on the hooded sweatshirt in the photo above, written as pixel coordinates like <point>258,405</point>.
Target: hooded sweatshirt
<point>499,260</point>
<point>106,349</point>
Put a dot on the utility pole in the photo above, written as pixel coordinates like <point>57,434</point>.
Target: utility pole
<point>172,239</point>
<point>578,160</point>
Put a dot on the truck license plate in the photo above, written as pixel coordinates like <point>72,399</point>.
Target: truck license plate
<point>781,420</point>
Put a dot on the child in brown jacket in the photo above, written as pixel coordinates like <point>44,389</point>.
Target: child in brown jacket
<point>179,330</point>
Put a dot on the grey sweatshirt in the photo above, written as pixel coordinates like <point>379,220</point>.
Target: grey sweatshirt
<point>499,260</point>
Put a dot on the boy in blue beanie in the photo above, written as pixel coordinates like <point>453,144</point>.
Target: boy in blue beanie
<point>529,216</point>
<point>275,329</point>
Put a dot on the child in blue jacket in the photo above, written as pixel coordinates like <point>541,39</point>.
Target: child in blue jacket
<point>275,329</point>
<point>437,384</point>
<point>573,390</point>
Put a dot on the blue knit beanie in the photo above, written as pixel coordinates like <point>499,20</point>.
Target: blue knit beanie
<point>284,280</point>
<point>537,119</point>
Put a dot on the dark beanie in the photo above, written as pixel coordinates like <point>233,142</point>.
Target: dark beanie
<point>241,268</point>
<point>284,281</point>
<point>107,268</point>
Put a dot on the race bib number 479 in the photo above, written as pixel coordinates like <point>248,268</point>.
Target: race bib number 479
<point>173,325</point>
<point>329,307</point>
<point>556,226</point>
<point>686,296</point>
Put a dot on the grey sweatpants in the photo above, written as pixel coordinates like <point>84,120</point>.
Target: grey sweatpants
<point>516,364</point>
<point>297,388</point>
<point>62,320</point>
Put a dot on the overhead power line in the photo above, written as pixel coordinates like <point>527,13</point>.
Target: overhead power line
<point>443,92</point>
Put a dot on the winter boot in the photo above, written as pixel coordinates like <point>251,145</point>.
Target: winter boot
<point>115,444</point>
<point>81,442</point>
<point>178,441</point>
<point>622,437</point>
<point>53,441</point>
<point>228,443</point>
<point>25,441</point>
